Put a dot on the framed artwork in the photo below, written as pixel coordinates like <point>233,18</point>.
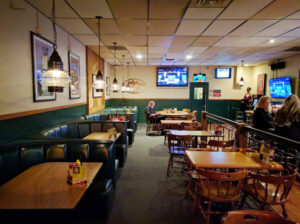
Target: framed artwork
<point>107,86</point>
<point>41,50</point>
<point>95,93</point>
<point>261,84</point>
<point>74,71</point>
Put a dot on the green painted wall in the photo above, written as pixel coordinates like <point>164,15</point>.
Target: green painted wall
<point>19,127</point>
<point>224,108</point>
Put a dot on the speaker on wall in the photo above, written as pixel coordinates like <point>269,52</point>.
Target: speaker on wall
<point>278,65</point>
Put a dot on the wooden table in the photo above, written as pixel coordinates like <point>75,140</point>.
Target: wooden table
<point>174,122</point>
<point>180,114</point>
<point>104,136</point>
<point>44,186</point>
<point>236,160</point>
<point>196,133</point>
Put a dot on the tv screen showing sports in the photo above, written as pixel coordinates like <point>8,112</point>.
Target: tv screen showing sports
<point>223,73</point>
<point>280,87</point>
<point>172,76</point>
<point>199,78</point>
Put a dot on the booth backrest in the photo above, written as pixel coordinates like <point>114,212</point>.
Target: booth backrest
<point>18,156</point>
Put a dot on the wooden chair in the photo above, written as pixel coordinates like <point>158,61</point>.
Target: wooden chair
<point>219,187</point>
<point>254,217</point>
<point>270,189</point>
<point>218,144</point>
<point>152,125</point>
<point>176,148</point>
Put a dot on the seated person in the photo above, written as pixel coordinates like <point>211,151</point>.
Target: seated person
<point>152,114</point>
<point>262,119</point>
<point>287,118</point>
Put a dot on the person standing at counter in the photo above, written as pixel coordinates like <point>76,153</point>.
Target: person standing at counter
<point>287,118</point>
<point>247,102</point>
<point>262,119</point>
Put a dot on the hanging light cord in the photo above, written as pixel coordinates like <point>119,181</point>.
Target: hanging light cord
<point>123,67</point>
<point>99,17</point>
<point>53,24</point>
<point>115,59</point>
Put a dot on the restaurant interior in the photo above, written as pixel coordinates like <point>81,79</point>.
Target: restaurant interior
<point>150,111</point>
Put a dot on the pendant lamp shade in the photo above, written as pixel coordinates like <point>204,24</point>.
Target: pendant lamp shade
<point>55,78</point>
<point>98,83</point>
<point>123,87</point>
<point>242,82</point>
<point>115,85</point>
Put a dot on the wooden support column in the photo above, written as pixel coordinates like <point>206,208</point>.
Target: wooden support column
<point>240,138</point>
<point>203,120</point>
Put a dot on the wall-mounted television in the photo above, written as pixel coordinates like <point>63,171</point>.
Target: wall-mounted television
<point>223,73</point>
<point>280,87</point>
<point>172,76</point>
<point>199,77</point>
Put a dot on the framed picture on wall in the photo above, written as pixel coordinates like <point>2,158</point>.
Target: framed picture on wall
<point>107,86</point>
<point>41,50</point>
<point>261,84</point>
<point>96,94</point>
<point>74,71</point>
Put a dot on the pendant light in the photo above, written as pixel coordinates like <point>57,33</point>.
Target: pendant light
<point>241,82</point>
<point>128,88</point>
<point>115,85</point>
<point>55,77</point>
<point>123,87</point>
<point>98,83</point>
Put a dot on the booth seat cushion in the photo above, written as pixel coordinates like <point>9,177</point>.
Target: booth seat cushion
<point>31,155</point>
<point>9,163</point>
<point>130,133</point>
<point>121,153</point>
<point>56,152</point>
<point>78,151</point>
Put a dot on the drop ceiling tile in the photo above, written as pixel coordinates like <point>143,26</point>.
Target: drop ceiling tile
<point>195,51</point>
<point>279,40</point>
<point>133,27</point>
<point>129,9</point>
<point>135,40</point>
<point>279,28</point>
<point>173,55</point>
<point>252,41</point>
<point>292,43</point>
<point>214,50</point>
<point>293,33</point>
<point>91,8</point>
<point>162,27</point>
<point>192,27</point>
<point>155,61</point>
<point>205,41</point>
<point>156,56</point>
<point>107,26</point>
<point>157,50</point>
<point>222,27</point>
<point>74,26</point>
<point>139,50</point>
<point>157,41</point>
<point>103,50</point>
<point>174,49</point>
<point>61,8</point>
<point>295,15</point>
<point>167,9</point>
<point>87,39</point>
<point>110,39</point>
<point>251,27</point>
<point>202,13</point>
<point>107,56</point>
<point>228,41</point>
<point>278,9</point>
<point>183,40</point>
<point>241,9</point>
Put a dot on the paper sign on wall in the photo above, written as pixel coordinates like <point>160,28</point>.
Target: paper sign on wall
<point>217,92</point>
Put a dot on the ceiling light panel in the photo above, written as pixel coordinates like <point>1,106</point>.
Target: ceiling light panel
<point>205,41</point>
<point>167,9</point>
<point>91,8</point>
<point>61,8</point>
<point>163,27</point>
<point>133,27</point>
<point>202,13</point>
<point>135,40</point>
<point>129,9</point>
<point>241,9</point>
<point>159,41</point>
<point>89,39</point>
<point>251,27</point>
<point>280,40</point>
<point>192,27</point>
<point>183,40</point>
<point>279,28</point>
<point>108,26</point>
<point>74,26</point>
<point>222,27</point>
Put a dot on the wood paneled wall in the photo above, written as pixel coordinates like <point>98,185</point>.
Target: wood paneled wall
<point>92,61</point>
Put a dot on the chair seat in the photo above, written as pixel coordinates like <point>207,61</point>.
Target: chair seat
<point>178,150</point>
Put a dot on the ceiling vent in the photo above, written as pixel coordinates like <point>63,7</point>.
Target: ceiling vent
<point>293,49</point>
<point>118,48</point>
<point>169,59</point>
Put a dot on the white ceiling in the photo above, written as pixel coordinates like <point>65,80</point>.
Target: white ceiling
<point>172,29</point>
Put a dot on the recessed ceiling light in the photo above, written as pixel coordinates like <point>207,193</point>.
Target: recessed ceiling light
<point>139,56</point>
<point>272,41</point>
<point>246,64</point>
<point>188,56</point>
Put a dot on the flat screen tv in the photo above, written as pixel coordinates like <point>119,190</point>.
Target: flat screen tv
<point>172,76</point>
<point>280,87</point>
<point>199,77</point>
<point>223,73</point>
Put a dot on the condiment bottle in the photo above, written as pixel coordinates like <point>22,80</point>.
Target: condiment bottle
<point>261,150</point>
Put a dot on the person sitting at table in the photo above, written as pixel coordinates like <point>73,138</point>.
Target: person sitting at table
<point>262,119</point>
<point>287,118</point>
<point>152,114</point>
